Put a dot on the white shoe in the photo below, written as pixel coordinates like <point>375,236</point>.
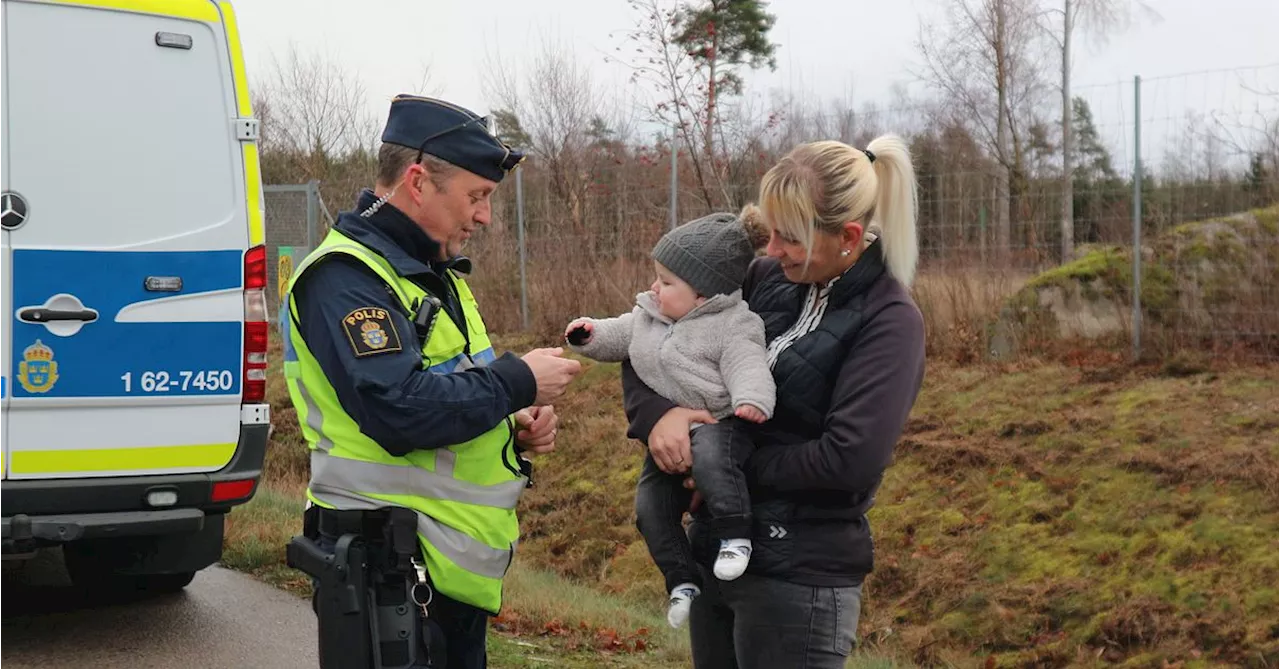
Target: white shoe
<point>678,606</point>
<point>733,558</point>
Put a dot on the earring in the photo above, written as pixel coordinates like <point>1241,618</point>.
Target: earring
<point>844,253</point>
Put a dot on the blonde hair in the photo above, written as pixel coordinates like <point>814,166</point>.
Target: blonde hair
<point>820,186</point>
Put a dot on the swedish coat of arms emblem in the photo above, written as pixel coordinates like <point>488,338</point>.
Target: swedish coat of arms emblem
<point>38,371</point>
<point>373,334</point>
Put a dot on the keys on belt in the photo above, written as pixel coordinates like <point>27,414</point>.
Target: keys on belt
<point>420,570</point>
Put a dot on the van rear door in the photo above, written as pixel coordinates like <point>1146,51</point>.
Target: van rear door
<point>125,298</point>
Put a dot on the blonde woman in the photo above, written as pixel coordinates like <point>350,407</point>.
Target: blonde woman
<point>846,348</point>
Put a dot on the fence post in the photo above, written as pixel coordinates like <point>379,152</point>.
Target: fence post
<point>524,286</point>
<point>313,212</point>
<point>675,184</point>
<point>1137,216</point>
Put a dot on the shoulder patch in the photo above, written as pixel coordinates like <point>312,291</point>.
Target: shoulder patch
<point>370,331</point>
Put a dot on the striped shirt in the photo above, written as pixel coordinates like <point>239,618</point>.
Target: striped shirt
<point>815,306</point>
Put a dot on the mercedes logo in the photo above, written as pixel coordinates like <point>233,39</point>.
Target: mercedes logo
<point>13,210</point>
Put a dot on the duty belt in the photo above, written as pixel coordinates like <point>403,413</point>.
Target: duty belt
<point>393,529</point>
<point>335,523</point>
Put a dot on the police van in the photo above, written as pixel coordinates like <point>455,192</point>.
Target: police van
<point>135,342</point>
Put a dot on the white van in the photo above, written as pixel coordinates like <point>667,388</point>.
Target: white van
<point>134,265</point>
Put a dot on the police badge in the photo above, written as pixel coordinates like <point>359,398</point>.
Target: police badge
<point>370,331</point>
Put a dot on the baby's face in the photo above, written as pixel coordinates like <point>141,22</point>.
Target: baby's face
<point>675,297</point>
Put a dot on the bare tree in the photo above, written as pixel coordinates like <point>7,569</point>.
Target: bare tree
<point>1251,133</point>
<point>1098,18</point>
<point>314,107</point>
<point>985,61</point>
<point>688,54</point>
<point>424,85</point>
<point>655,56</point>
<point>553,103</point>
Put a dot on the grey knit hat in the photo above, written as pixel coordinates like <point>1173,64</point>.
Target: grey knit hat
<point>712,253</point>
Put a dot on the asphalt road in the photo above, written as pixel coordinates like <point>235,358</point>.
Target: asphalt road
<point>223,620</point>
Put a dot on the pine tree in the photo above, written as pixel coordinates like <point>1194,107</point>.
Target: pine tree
<point>721,35</point>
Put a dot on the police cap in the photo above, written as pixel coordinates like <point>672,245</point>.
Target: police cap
<point>450,133</point>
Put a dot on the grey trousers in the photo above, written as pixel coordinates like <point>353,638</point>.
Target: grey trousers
<point>755,622</point>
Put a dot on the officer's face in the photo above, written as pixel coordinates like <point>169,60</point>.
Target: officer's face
<point>451,212</point>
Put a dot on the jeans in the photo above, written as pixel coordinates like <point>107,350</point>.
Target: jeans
<point>456,631</point>
<point>719,449</point>
<point>755,622</point>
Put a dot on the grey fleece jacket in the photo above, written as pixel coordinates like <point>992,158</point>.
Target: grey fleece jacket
<point>714,358</point>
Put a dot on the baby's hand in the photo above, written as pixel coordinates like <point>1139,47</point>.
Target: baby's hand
<point>748,412</point>
<point>579,333</point>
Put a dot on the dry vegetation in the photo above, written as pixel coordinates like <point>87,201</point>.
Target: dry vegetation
<point>1041,513</point>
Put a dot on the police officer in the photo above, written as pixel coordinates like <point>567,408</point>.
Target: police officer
<point>416,428</point>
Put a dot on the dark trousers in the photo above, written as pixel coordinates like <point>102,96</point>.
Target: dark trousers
<point>756,622</point>
<point>719,449</point>
<point>456,631</point>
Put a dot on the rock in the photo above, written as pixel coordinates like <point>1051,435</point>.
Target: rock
<point>1211,276</point>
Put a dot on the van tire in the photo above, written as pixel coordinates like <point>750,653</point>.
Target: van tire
<point>93,575</point>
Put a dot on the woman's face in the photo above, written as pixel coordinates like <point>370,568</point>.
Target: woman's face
<point>825,261</point>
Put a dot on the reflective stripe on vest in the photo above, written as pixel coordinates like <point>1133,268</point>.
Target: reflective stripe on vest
<point>464,551</point>
<point>464,494</point>
<point>371,477</point>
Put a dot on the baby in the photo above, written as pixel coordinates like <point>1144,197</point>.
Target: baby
<point>692,339</point>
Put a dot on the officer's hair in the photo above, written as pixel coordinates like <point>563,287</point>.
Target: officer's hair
<point>394,159</point>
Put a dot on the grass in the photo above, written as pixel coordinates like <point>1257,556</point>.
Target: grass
<point>1118,514</point>
<point>1076,512</point>
<point>548,621</point>
<point>551,618</point>
<point>1083,511</point>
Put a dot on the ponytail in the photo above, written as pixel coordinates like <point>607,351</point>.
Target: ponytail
<point>897,202</point>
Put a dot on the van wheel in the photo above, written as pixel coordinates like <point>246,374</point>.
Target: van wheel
<point>165,582</point>
<point>88,575</point>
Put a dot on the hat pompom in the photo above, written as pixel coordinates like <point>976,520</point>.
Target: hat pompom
<point>752,220</point>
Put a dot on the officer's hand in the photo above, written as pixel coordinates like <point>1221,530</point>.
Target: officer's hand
<point>540,427</point>
<point>552,372</point>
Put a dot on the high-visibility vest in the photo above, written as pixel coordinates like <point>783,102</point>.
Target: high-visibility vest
<point>464,495</point>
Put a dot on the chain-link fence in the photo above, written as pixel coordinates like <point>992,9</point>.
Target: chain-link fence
<point>296,220</point>
<point>572,236</point>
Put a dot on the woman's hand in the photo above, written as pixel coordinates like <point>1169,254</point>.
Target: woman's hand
<point>669,440</point>
<point>696,500</point>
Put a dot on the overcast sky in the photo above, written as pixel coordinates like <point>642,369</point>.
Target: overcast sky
<point>827,48</point>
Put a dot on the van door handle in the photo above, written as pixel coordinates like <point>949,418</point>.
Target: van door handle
<point>62,315</point>
<point>43,315</point>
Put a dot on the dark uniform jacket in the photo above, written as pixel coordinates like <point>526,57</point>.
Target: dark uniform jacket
<point>395,401</point>
<point>844,392</point>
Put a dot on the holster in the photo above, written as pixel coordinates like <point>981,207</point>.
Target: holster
<point>366,616</point>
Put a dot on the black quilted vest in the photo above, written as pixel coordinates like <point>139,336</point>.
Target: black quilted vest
<point>806,370</point>
<point>819,538</point>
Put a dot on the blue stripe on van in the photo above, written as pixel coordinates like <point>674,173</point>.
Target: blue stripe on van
<point>110,359</point>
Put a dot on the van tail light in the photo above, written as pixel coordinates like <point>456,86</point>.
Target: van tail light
<point>255,325</point>
<point>227,491</point>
